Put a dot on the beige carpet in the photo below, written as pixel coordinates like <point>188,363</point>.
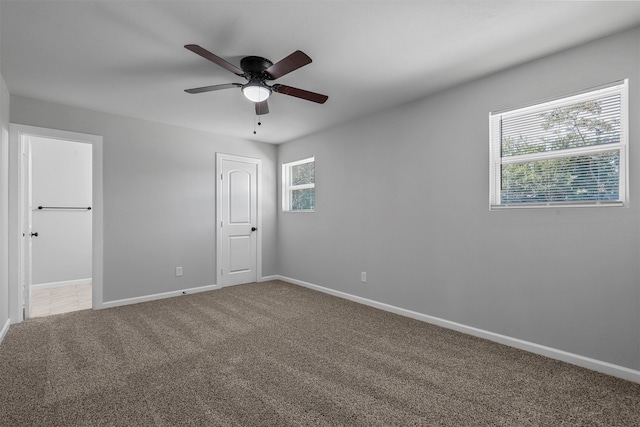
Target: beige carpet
<point>274,354</point>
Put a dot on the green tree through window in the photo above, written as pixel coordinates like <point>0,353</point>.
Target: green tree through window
<point>303,199</point>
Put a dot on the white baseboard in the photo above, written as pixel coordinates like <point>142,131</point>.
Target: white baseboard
<point>49,285</point>
<point>4,329</point>
<point>145,298</point>
<point>153,297</point>
<point>553,353</point>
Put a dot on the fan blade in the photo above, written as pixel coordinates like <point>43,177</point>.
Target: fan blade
<point>291,63</point>
<point>262,108</point>
<point>215,59</point>
<point>212,88</point>
<point>300,93</point>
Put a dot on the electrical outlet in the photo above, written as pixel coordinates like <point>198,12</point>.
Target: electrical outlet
<point>178,271</point>
<point>363,277</point>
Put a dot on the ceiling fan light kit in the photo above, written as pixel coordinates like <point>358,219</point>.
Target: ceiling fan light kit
<point>257,70</point>
<point>256,92</point>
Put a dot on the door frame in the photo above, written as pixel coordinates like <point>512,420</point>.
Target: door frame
<point>16,214</point>
<point>220,157</point>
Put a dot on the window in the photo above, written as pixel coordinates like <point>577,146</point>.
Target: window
<point>298,186</point>
<point>567,152</point>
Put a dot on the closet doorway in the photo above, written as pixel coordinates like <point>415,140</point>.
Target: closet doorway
<point>58,220</point>
<point>56,258</point>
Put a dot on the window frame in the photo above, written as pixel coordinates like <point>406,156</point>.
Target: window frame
<point>287,188</point>
<point>496,160</point>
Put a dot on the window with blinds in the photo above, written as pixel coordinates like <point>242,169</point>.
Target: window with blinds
<point>566,152</point>
<point>299,186</point>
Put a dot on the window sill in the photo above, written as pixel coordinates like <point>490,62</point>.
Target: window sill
<point>600,204</point>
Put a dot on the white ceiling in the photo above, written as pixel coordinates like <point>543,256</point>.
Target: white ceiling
<point>127,57</point>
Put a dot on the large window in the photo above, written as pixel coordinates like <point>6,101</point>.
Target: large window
<point>567,152</point>
<point>298,186</point>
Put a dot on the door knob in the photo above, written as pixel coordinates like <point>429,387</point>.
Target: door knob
<point>253,229</point>
<point>34,234</point>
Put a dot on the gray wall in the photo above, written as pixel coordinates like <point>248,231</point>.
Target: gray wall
<point>4,203</point>
<point>403,195</point>
<point>159,197</point>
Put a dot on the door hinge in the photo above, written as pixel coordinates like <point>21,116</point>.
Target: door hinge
<point>221,177</point>
<point>221,272</point>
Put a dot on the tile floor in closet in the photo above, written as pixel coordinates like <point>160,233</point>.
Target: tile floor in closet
<point>63,299</point>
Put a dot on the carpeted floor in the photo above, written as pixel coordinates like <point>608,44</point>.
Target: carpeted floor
<point>275,354</point>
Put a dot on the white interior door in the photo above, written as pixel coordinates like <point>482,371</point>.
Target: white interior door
<point>27,226</point>
<point>238,220</point>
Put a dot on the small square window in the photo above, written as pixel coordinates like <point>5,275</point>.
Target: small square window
<point>570,151</point>
<point>298,186</point>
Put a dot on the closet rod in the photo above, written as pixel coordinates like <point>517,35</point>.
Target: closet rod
<point>63,207</point>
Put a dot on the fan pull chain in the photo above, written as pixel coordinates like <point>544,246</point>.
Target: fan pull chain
<point>254,123</point>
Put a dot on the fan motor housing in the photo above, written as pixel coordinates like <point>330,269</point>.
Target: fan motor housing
<point>254,64</point>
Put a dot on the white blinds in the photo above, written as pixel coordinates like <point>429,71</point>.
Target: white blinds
<point>563,152</point>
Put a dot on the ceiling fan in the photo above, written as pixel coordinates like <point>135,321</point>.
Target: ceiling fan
<point>258,71</point>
